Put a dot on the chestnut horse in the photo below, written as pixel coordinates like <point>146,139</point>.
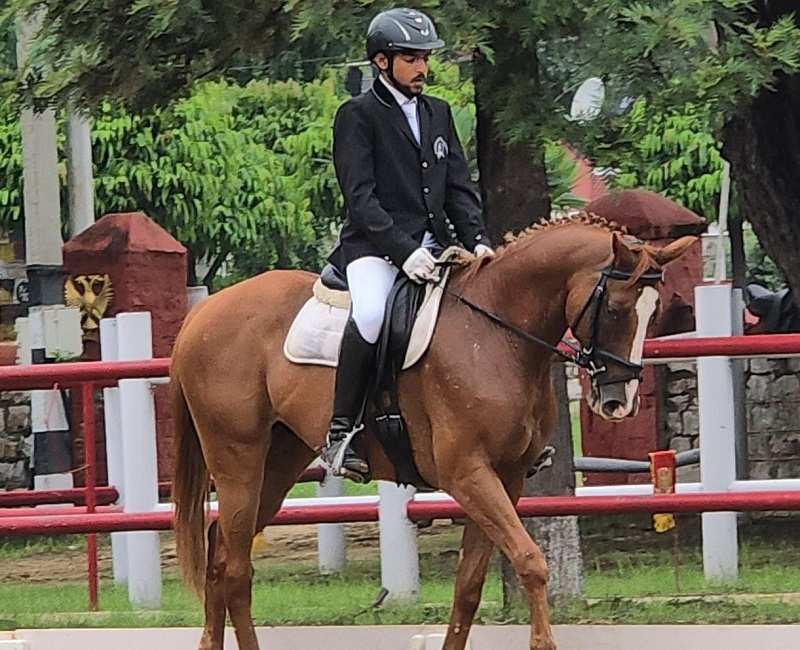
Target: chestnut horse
<point>479,405</point>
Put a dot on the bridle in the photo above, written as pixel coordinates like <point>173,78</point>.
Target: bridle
<point>593,359</point>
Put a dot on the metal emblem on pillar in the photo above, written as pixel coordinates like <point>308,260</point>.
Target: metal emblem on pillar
<point>92,295</point>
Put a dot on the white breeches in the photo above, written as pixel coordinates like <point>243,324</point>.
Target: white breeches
<point>370,280</point>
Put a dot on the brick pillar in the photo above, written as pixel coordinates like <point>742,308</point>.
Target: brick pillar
<point>147,268</point>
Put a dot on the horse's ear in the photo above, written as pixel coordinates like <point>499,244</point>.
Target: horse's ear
<point>625,258</point>
<point>674,250</point>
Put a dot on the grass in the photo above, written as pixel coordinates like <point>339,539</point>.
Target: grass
<point>306,490</point>
<point>629,578</point>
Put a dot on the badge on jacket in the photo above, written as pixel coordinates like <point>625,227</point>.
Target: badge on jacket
<point>440,148</point>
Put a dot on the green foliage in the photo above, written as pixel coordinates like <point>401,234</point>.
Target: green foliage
<point>679,51</point>
<point>562,173</point>
<point>760,267</point>
<point>142,51</point>
<point>691,63</point>
<point>672,152</point>
<point>10,164</point>
<point>447,82</point>
<point>240,175</point>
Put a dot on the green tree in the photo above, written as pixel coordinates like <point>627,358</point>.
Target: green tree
<point>211,184</point>
<point>670,151</point>
<point>240,175</point>
<point>737,60</point>
<point>10,164</point>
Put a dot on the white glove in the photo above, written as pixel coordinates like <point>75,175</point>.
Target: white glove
<point>420,265</point>
<point>483,249</point>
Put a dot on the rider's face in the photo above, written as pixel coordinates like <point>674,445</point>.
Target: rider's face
<point>410,69</point>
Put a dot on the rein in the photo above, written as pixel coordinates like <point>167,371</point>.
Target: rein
<point>588,357</point>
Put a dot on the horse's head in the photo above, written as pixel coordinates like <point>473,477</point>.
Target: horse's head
<point>609,313</point>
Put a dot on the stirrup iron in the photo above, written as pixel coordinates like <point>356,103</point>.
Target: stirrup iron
<point>336,464</point>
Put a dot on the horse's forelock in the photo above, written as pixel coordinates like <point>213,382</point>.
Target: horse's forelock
<point>647,262</point>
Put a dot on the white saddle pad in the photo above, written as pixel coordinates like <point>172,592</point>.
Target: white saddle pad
<point>316,333</point>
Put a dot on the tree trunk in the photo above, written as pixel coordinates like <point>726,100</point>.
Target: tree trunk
<point>738,256</point>
<point>513,178</point>
<point>762,143</point>
<point>558,537</point>
<point>191,268</point>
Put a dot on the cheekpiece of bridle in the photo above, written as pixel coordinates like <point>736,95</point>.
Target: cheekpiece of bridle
<point>588,356</point>
<point>593,359</point>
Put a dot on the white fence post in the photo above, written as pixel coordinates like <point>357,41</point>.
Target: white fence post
<point>331,545</point>
<point>109,351</point>
<point>713,304</point>
<point>136,445</point>
<point>398,539</point>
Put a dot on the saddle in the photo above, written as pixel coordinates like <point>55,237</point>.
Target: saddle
<point>409,322</point>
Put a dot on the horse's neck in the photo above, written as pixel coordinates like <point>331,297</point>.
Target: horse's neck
<point>530,298</point>
<point>528,287</point>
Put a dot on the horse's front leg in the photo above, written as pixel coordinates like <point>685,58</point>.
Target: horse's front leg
<point>473,561</point>
<point>481,493</point>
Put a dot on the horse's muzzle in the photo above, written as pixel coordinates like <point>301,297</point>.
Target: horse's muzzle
<point>615,401</point>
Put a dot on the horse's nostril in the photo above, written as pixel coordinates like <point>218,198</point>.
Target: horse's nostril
<point>610,407</point>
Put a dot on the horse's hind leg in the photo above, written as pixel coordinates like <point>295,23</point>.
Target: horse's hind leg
<point>214,600</point>
<point>288,457</point>
<point>473,561</point>
<point>230,573</point>
<point>485,500</point>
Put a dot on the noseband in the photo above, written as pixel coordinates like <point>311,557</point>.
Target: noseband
<point>593,359</point>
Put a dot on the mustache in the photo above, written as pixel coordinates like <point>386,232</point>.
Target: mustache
<point>421,77</point>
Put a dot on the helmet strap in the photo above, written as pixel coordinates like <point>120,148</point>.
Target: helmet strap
<point>390,74</point>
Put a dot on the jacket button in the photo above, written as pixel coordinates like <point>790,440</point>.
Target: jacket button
<point>451,226</point>
<point>424,164</point>
<point>427,190</point>
<point>430,215</point>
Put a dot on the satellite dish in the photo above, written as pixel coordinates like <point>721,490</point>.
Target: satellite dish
<point>588,100</point>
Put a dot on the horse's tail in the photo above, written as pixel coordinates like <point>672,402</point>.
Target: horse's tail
<point>189,492</point>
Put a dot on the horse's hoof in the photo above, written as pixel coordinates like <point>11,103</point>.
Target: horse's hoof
<point>544,644</point>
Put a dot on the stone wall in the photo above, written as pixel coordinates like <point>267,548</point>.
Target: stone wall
<point>772,407</point>
<point>16,440</point>
<point>773,418</point>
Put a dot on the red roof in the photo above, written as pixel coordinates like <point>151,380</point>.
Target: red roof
<point>647,214</point>
<point>125,232</point>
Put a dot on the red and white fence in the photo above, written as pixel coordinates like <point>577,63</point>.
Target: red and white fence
<point>132,470</point>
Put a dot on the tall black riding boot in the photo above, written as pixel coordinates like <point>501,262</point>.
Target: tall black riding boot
<point>356,365</point>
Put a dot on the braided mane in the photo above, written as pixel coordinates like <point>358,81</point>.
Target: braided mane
<point>512,242</point>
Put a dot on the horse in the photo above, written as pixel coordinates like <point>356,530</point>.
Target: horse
<point>479,405</point>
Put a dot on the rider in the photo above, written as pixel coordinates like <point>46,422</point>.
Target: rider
<point>406,189</point>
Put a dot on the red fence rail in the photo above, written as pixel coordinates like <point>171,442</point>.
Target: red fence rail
<point>106,522</point>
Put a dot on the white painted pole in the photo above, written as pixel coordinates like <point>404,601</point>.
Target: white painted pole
<point>49,421</point>
<point>398,539</point>
<point>79,168</point>
<point>109,351</point>
<point>720,271</point>
<point>40,168</point>
<point>331,544</point>
<point>140,473</point>
<point>717,433</point>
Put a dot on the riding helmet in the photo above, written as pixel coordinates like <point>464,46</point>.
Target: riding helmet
<point>401,29</point>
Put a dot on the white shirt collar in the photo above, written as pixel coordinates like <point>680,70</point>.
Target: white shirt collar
<point>399,97</point>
